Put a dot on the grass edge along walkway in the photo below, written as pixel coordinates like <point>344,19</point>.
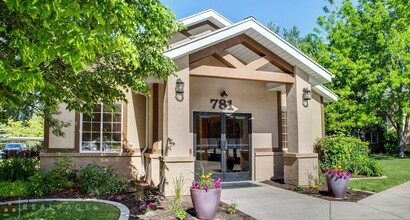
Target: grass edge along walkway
<point>396,169</point>
<point>62,209</point>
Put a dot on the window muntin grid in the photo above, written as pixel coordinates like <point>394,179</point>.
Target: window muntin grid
<point>102,132</point>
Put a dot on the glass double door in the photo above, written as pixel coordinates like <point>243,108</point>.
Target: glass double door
<point>222,145</point>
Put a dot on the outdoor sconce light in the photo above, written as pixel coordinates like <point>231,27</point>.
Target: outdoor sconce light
<point>179,90</point>
<point>224,95</point>
<point>307,95</point>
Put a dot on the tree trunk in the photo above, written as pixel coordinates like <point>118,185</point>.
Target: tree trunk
<point>401,142</point>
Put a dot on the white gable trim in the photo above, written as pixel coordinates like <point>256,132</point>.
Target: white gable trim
<point>317,72</point>
<point>328,96</point>
<point>205,41</point>
<point>206,15</point>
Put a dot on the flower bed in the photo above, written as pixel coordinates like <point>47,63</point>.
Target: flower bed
<point>323,193</point>
<point>137,210</point>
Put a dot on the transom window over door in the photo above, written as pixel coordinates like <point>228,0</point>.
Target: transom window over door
<point>102,132</point>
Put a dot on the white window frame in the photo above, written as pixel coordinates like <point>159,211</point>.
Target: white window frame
<point>101,131</point>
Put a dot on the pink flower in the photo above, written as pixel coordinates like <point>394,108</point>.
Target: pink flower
<point>195,185</point>
<point>206,183</point>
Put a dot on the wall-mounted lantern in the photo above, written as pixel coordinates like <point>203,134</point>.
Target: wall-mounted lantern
<point>307,95</point>
<point>179,90</point>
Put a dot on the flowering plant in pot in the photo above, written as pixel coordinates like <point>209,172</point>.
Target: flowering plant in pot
<point>206,195</point>
<point>337,181</point>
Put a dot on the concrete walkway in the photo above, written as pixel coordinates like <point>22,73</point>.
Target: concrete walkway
<point>262,201</point>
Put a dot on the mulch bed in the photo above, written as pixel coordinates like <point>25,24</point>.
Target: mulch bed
<point>351,196</point>
<point>136,212</point>
<point>162,209</point>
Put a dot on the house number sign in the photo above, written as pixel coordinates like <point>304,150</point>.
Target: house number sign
<point>220,103</point>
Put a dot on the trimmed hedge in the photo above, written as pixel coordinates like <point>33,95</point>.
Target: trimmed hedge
<point>349,152</point>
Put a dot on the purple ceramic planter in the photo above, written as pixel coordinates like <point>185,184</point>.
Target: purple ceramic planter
<point>206,203</point>
<point>337,187</point>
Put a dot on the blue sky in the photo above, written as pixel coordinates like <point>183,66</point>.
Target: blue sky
<point>285,13</point>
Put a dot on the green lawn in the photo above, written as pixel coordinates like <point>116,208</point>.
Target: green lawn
<point>397,171</point>
<point>60,210</point>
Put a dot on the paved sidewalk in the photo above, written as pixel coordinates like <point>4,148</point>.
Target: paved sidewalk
<point>262,201</point>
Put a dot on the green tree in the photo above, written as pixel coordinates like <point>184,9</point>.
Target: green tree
<point>311,44</point>
<point>368,46</point>
<point>30,128</point>
<point>291,35</point>
<point>79,52</point>
<point>3,133</point>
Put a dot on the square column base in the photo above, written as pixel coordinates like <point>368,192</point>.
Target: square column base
<point>300,168</point>
<point>171,168</point>
<point>152,166</point>
<point>268,165</point>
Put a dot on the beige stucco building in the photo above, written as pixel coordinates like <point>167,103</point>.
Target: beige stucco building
<point>250,108</point>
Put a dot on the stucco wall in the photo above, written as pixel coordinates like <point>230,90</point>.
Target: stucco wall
<point>67,142</point>
<point>316,112</point>
<point>134,125</point>
<point>304,118</point>
<point>135,121</point>
<point>248,97</point>
<point>176,136</point>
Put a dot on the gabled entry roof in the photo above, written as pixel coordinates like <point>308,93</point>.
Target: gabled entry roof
<point>318,75</point>
<point>208,15</point>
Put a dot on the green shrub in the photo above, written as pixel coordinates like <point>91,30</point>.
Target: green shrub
<point>98,180</point>
<point>298,188</point>
<point>178,210</point>
<point>370,167</point>
<point>42,183</point>
<point>390,142</point>
<point>349,152</point>
<point>60,177</point>
<point>62,174</point>
<point>17,169</point>
<point>232,207</point>
<point>14,189</point>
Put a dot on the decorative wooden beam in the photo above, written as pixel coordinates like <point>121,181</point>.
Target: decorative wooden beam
<point>229,60</point>
<point>260,62</point>
<point>250,44</point>
<point>241,74</point>
<point>259,49</point>
<point>209,51</point>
